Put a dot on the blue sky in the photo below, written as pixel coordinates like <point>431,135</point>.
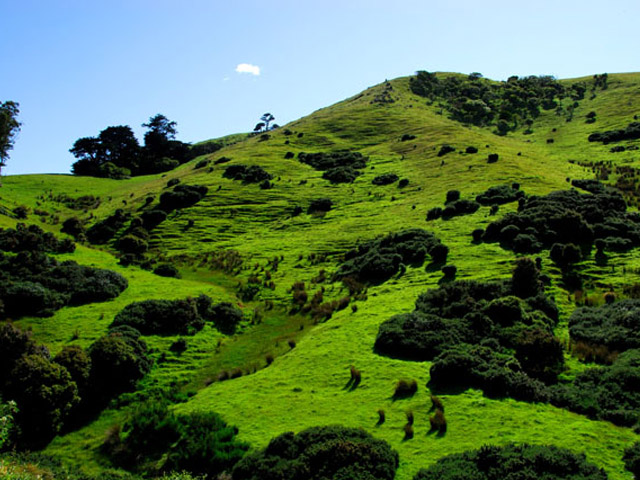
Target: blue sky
<point>77,67</point>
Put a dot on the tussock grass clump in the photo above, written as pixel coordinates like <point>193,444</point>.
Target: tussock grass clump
<point>405,389</point>
<point>438,422</point>
<point>408,431</point>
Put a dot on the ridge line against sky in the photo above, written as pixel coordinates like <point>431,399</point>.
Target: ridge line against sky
<point>215,67</point>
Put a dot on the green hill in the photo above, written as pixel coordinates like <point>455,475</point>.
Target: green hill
<point>249,243</point>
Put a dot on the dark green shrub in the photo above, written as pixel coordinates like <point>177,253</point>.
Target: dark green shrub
<point>385,179</point>
<point>615,325</point>
<point>527,462</point>
<point>403,182</point>
<point>449,271</point>
<point>406,137</point>
<point>77,362</point>
<point>32,238</point>
<point>226,317</point>
<point>132,244</point>
<point>46,395</point>
<point>247,174</point>
<point>452,196</point>
<point>438,422</point>
<point>492,158</point>
<point>326,161</point>
<point>631,132</point>
<point>434,213</point>
<point>152,218</point>
<point>161,317</point>
<point>167,270</point>
<point>444,149</point>
<point>341,175</point>
<point>29,298</point>
<point>471,150</point>
<point>222,160</point>
<point>173,182</point>
<point>103,231</point>
<point>73,226</point>
<point>320,205</point>
<point>289,155</point>
<point>182,196</point>
<point>632,459</point>
<point>201,164</point>
<point>320,453</point>
<point>378,260</point>
<point>118,361</point>
<point>499,195</point>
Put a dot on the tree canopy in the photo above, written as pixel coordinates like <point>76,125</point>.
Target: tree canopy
<point>9,127</point>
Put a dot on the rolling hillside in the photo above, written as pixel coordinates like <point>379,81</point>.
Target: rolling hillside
<point>249,243</point>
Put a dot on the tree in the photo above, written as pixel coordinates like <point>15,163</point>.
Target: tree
<point>9,127</point>
<point>267,118</point>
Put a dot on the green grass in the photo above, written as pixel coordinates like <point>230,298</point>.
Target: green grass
<point>305,386</point>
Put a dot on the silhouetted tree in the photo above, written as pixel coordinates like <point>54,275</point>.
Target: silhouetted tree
<point>9,127</point>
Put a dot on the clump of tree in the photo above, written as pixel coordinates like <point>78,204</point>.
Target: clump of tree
<point>338,167</point>
<point>155,440</point>
<point>630,132</point>
<point>567,217</point>
<point>454,206</point>
<point>116,152</point>
<point>376,261</point>
<point>182,196</point>
<point>320,453</point>
<point>178,317</point>
<point>104,230</point>
<point>247,174</point>
<point>492,462</point>
<point>506,105</point>
<point>31,238</point>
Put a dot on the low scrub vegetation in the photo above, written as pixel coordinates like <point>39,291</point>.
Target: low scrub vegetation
<point>320,453</point>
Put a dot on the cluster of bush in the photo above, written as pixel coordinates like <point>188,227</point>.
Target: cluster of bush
<point>157,440</point>
<point>338,167</point>
<point>32,283</point>
<point>116,152</point>
<point>522,461</point>
<point>567,217</point>
<point>247,174</point>
<point>104,230</point>
<point>513,317</point>
<point>385,179</point>
<point>474,100</point>
<point>454,206</point>
<point>631,132</point>
<point>53,392</point>
<point>606,393</point>
<point>376,261</point>
<point>178,317</point>
<point>615,326</point>
<point>31,238</point>
<point>500,195</point>
<point>320,453</point>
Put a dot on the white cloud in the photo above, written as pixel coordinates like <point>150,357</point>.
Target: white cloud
<point>248,68</point>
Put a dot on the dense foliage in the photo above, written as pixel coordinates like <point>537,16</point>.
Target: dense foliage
<point>247,174</point>
<point>631,132</point>
<point>158,440</point>
<point>615,325</point>
<point>375,261</point>
<point>632,459</point>
<point>511,461</point>
<point>34,284</point>
<point>499,195</point>
<point>567,217</point>
<point>32,238</point>
<point>507,105</point>
<point>338,167</point>
<point>116,152</point>
<point>178,317</point>
<point>182,196</point>
<point>320,453</point>
<point>385,179</point>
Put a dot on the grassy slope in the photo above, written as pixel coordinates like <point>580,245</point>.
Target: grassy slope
<point>305,386</point>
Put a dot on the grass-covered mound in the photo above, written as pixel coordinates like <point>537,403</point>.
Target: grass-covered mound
<point>567,217</point>
<point>338,167</point>
<point>522,462</point>
<point>156,440</point>
<point>320,453</point>
<point>615,326</point>
<point>378,260</point>
<point>178,317</point>
<point>510,315</point>
<point>33,283</point>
